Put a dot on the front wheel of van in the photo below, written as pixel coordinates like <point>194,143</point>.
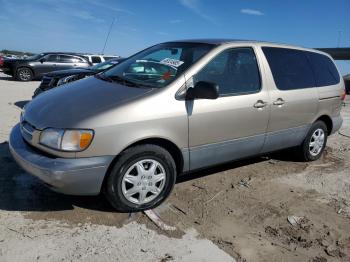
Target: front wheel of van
<point>315,142</point>
<point>141,179</point>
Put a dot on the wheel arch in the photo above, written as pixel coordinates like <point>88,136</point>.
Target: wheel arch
<point>328,121</point>
<point>168,145</point>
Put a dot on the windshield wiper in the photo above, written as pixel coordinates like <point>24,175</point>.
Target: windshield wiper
<point>124,81</point>
<point>103,77</point>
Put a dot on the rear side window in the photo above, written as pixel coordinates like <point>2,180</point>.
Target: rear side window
<point>52,58</point>
<point>234,70</point>
<point>324,69</point>
<point>76,59</point>
<point>290,68</point>
<point>66,59</point>
<point>96,59</point>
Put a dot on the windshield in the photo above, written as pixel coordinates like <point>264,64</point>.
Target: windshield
<point>159,65</point>
<point>104,65</point>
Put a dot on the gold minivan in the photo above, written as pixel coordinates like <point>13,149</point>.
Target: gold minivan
<point>177,107</point>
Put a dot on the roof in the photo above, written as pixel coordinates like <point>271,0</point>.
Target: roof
<point>214,41</point>
<point>61,53</point>
<point>220,41</point>
<point>339,53</point>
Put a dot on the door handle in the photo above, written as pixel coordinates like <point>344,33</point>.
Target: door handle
<point>260,104</point>
<point>279,102</point>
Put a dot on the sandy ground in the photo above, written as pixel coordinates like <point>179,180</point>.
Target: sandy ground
<point>236,211</point>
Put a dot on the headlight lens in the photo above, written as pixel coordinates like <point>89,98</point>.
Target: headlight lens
<point>66,139</point>
<point>65,80</point>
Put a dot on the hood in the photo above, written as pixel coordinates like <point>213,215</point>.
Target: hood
<point>67,106</point>
<point>69,72</point>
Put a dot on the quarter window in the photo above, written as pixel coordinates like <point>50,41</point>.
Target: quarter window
<point>324,69</point>
<point>235,71</point>
<point>290,68</point>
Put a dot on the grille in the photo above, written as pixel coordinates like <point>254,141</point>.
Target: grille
<point>27,130</point>
<point>46,80</point>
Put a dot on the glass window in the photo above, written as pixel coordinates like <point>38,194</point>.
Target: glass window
<point>324,69</point>
<point>104,65</point>
<point>159,65</point>
<point>52,58</point>
<point>76,59</point>
<point>290,68</point>
<point>96,59</point>
<point>235,71</point>
<point>66,59</point>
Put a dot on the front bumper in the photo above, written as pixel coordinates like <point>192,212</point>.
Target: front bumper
<point>73,176</point>
<point>7,71</point>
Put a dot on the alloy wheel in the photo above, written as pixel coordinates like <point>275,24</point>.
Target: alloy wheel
<point>143,181</point>
<point>316,142</point>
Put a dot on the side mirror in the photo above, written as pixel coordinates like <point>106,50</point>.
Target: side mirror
<point>42,60</point>
<point>203,90</point>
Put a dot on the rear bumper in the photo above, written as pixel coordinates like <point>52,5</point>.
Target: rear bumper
<point>336,123</point>
<point>77,176</point>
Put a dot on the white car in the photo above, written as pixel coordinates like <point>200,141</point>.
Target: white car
<point>96,59</point>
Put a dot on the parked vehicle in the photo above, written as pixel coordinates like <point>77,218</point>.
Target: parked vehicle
<point>174,108</point>
<point>96,59</point>
<point>347,83</point>
<point>1,61</point>
<point>57,78</point>
<point>36,66</point>
<point>11,57</point>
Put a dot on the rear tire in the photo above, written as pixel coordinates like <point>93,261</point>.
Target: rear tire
<point>314,143</point>
<point>24,74</point>
<point>142,178</point>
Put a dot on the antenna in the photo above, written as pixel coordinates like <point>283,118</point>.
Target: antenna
<point>109,31</point>
<point>339,37</point>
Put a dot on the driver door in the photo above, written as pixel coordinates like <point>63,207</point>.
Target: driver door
<point>234,125</point>
<point>46,64</point>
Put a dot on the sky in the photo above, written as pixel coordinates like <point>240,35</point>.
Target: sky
<point>82,25</point>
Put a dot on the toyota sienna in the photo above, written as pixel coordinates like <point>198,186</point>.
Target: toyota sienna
<point>177,107</point>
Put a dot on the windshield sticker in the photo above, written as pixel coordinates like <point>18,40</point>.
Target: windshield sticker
<point>166,75</point>
<point>172,62</point>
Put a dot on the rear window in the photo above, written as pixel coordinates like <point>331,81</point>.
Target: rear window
<point>290,68</point>
<point>324,69</point>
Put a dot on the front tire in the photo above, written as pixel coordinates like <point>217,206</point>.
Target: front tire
<point>24,74</point>
<point>142,178</point>
<point>315,142</point>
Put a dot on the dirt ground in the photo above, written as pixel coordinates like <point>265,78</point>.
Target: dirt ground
<point>238,211</point>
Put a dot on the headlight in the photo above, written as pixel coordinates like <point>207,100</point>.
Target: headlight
<point>65,80</point>
<point>72,140</point>
<point>22,113</point>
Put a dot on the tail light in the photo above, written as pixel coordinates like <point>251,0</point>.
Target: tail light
<point>1,61</point>
<point>343,95</point>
